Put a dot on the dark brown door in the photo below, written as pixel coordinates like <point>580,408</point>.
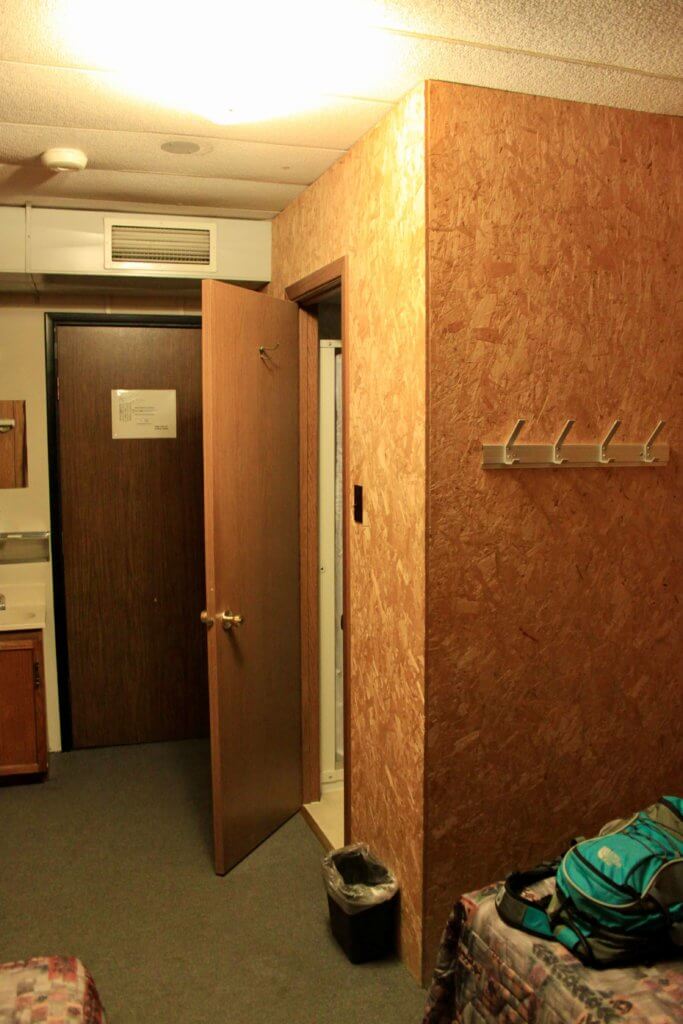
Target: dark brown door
<point>132,518</point>
<point>251,479</point>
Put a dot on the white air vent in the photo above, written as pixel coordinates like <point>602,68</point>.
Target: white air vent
<point>160,245</point>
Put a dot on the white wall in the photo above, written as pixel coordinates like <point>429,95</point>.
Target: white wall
<point>22,376</point>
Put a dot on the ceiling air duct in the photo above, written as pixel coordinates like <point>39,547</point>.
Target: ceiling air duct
<point>164,244</point>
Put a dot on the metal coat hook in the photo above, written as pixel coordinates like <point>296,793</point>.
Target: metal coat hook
<point>605,443</point>
<point>647,447</point>
<point>263,350</point>
<point>565,454</point>
<point>557,458</point>
<point>6,426</point>
<point>508,457</point>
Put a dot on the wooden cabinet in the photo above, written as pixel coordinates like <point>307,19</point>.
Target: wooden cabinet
<point>23,738</point>
<point>13,471</point>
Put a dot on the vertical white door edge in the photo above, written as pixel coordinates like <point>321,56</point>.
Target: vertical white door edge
<point>326,549</point>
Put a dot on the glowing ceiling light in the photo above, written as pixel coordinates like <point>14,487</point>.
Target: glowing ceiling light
<point>227,62</point>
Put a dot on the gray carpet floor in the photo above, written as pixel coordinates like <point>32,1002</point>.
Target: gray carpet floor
<point>110,860</point>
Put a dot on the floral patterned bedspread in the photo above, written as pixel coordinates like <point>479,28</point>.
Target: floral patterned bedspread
<point>488,972</point>
<point>49,990</point>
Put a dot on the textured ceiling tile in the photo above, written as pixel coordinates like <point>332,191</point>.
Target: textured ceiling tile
<point>645,34</point>
<point>80,99</point>
<point>407,60</point>
<point>19,184</point>
<point>503,44</point>
<point>140,151</point>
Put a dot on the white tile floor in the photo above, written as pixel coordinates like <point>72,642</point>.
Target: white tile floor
<point>328,814</point>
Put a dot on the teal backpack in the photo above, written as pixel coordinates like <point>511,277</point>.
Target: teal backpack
<point>618,897</point>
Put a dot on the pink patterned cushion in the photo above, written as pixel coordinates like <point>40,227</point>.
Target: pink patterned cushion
<point>48,990</point>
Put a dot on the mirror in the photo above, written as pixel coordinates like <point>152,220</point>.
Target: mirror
<point>13,462</point>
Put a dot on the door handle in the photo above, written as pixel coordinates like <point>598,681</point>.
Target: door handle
<point>229,620</point>
<point>206,619</point>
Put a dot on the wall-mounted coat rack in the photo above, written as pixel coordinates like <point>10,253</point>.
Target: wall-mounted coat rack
<point>560,455</point>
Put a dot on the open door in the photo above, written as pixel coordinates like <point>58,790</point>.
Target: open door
<point>251,484</point>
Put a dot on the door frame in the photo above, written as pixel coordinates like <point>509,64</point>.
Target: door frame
<point>307,292</point>
<point>52,322</point>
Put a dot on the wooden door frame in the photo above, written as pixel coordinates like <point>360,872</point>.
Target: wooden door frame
<point>307,292</point>
<point>52,322</point>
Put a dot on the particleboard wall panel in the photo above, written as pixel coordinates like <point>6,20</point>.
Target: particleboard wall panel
<point>555,603</point>
<point>370,207</point>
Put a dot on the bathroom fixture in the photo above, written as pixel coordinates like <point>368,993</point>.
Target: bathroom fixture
<point>22,606</point>
<point>16,547</point>
<point>560,455</point>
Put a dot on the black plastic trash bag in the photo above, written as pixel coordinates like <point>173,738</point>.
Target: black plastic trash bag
<point>362,897</point>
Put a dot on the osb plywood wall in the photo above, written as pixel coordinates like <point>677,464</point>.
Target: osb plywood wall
<point>555,603</point>
<point>370,206</point>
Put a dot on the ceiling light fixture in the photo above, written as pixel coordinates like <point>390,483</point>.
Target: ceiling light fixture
<point>228,63</point>
<point>63,158</point>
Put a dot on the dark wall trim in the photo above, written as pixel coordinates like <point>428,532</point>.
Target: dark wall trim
<point>316,286</point>
<point>52,322</point>
<point>307,292</point>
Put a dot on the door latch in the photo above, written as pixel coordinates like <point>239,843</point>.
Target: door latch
<point>229,620</point>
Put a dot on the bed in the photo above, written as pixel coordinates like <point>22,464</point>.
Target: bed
<point>488,972</point>
<point>49,990</point>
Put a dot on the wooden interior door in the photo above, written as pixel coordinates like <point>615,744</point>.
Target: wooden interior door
<point>132,538</point>
<point>251,480</point>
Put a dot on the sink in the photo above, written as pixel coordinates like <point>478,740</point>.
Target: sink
<point>24,606</point>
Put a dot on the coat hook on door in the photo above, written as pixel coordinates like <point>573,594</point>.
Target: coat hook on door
<point>263,350</point>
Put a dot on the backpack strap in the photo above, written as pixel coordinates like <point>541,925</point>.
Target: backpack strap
<point>666,890</point>
<point>519,912</point>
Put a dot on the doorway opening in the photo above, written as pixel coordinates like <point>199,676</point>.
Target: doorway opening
<point>325,662</point>
<point>328,812</point>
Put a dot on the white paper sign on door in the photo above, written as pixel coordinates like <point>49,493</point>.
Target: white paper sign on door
<point>143,414</point>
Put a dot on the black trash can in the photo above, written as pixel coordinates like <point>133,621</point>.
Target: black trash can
<point>362,896</point>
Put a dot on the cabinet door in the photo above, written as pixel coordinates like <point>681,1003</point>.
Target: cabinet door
<point>13,445</point>
<point>23,747</point>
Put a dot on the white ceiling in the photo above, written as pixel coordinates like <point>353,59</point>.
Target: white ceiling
<point>626,53</point>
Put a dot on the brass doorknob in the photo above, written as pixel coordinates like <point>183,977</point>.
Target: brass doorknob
<point>229,620</point>
<point>206,619</point>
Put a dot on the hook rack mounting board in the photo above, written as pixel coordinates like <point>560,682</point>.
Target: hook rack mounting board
<point>573,456</point>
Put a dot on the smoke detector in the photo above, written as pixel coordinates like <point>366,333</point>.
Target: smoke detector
<point>64,159</point>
